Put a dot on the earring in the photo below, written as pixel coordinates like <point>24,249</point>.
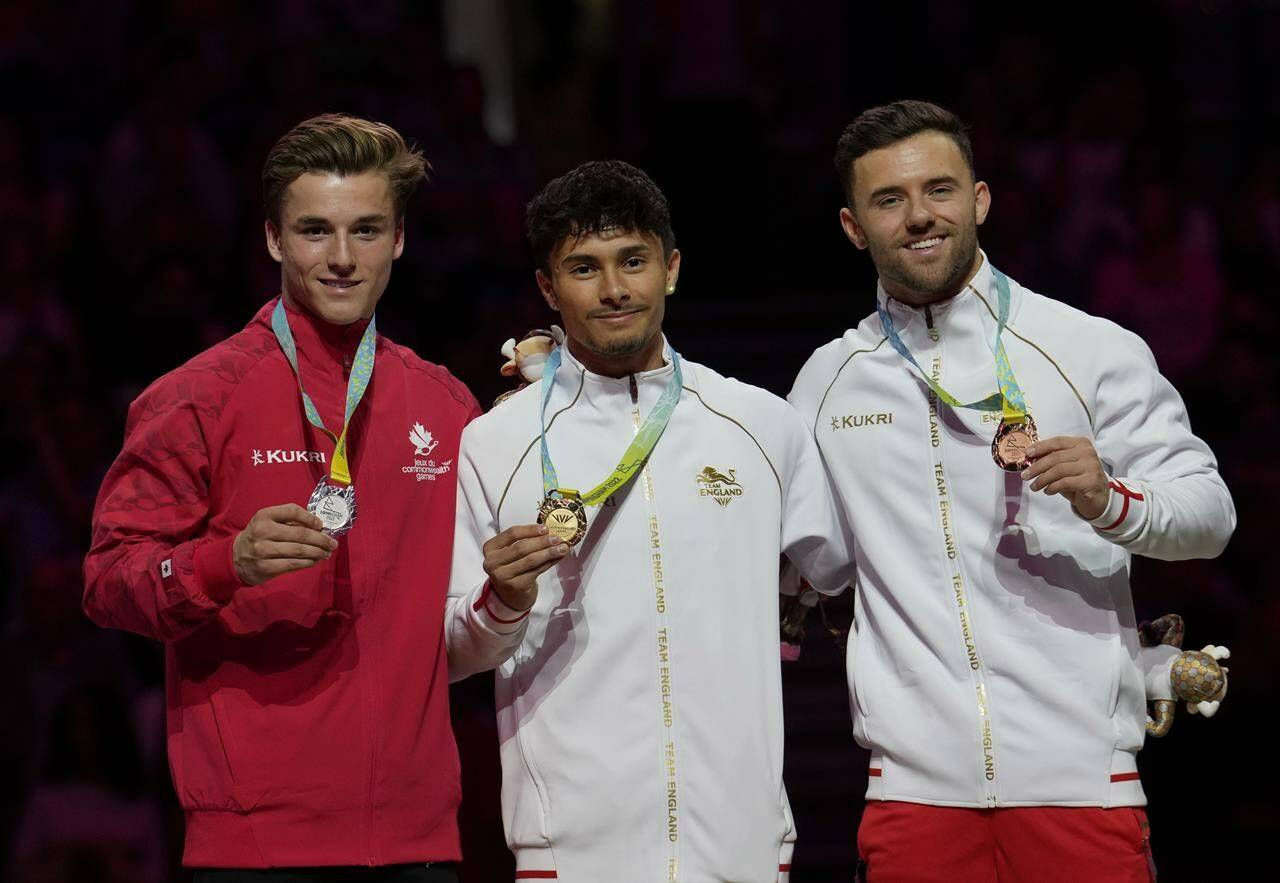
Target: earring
<point>671,289</point>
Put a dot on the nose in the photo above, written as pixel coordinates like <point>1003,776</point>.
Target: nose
<point>614,292</point>
<point>341,258</point>
<point>919,217</point>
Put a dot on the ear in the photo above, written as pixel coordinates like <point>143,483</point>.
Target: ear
<point>544,288</point>
<point>399,239</point>
<point>273,242</point>
<point>673,271</point>
<point>852,228</point>
<point>981,200</point>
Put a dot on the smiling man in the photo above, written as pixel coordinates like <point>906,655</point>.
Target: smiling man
<point>1029,451</point>
<point>269,521</point>
<point>620,525</point>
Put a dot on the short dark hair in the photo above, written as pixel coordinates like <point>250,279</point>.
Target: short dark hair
<point>344,145</point>
<point>890,123</point>
<point>594,197</point>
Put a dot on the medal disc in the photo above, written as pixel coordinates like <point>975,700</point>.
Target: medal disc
<point>1009,449</point>
<point>335,506</point>
<point>565,517</point>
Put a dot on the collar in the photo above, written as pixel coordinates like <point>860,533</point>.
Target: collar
<point>983,283</point>
<point>314,336</point>
<point>569,363</point>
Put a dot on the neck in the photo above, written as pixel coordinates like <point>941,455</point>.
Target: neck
<point>645,359</point>
<point>300,307</point>
<point>924,298</point>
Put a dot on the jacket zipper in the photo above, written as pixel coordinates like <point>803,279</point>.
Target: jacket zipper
<point>968,630</point>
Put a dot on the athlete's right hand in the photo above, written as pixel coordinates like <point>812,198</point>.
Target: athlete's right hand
<point>516,557</point>
<point>279,539</point>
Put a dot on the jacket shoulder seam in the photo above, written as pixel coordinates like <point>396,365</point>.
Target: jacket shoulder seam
<point>748,432</point>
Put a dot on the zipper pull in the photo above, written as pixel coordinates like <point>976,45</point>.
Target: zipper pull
<point>928,321</point>
<point>635,391</point>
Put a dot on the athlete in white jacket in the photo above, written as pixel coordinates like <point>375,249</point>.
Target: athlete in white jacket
<point>639,700</point>
<point>994,662</point>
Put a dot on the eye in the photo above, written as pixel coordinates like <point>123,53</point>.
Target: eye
<point>634,263</point>
<point>313,232</point>
<point>889,201</point>
<point>581,270</point>
<point>942,190</point>
<point>367,231</point>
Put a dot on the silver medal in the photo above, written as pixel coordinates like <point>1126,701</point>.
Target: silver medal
<point>335,506</point>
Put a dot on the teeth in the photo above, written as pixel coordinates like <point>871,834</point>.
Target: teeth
<point>925,243</point>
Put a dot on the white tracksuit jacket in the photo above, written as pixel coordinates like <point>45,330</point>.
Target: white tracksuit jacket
<point>640,717</point>
<point>994,659</point>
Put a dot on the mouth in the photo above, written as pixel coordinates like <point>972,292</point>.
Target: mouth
<point>616,317</point>
<point>340,284</point>
<point>926,246</point>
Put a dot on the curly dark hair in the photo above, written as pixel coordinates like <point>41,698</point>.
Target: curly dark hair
<point>888,124</point>
<point>597,196</point>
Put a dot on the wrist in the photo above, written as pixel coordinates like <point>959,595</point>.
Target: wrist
<point>513,599</point>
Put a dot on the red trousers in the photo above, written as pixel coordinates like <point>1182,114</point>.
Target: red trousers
<point>915,843</point>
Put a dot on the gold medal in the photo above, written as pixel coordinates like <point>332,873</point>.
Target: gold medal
<point>1009,448</point>
<point>564,515</point>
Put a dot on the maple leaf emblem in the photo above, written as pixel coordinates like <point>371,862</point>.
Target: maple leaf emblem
<point>421,440</point>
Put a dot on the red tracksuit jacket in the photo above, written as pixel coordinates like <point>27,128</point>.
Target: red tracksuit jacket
<point>308,719</point>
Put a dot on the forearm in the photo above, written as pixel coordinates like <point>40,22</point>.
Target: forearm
<point>481,632</point>
<point>158,589</point>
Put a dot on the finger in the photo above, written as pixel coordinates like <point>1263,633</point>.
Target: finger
<point>1056,443</point>
<point>531,563</point>
<point>295,533</point>
<point>513,534</point>
<point>1061,471</point>
<point>1048,461</point>
<point>519,549</point>
<point>1072,484</point>
<point>291,512</point>
<point>268,550</point>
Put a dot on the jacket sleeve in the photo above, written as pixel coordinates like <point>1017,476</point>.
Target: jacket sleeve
<point>816,538</point>
<point>1167,499</point>
<point>481,632</point>
<point>149,569</point>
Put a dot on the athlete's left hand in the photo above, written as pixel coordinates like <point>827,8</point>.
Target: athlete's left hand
<point>1069,465</point>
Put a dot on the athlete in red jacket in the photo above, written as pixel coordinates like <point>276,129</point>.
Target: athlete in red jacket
<point>307,678</point>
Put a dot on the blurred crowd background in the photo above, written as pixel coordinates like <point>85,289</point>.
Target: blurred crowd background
<point>1126,149</point>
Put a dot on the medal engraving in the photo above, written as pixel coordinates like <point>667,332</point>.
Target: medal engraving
<point>564,517</point>
<point>1009,449</point>
<point>335,507</point>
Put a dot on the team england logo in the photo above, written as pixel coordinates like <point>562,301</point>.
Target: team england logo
<point>424,467</point>
<point>722,487</point>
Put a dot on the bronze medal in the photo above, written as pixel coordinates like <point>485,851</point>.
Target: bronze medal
<point>564,516</point>
<point>1009,449</point>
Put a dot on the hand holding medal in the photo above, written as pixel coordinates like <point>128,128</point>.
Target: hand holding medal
<point>515,558</point>
<point>278,540</point>
<point>1069,466</point>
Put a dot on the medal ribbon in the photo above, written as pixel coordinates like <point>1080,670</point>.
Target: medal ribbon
<point>1009,399</point>
<point>361,374</point>
<point>635,454</point>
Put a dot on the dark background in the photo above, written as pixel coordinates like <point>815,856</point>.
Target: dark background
<point>1132,173</point>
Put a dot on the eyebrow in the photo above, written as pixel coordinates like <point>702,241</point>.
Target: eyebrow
<point>622,254</point>
<point>312,220</point>
<point>894,188</point>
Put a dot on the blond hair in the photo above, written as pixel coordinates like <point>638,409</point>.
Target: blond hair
<point>344,145</point>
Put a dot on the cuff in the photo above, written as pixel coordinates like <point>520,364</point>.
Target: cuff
<point>215,573</point>
<point>497,615</point>
<point>1126,512</point>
